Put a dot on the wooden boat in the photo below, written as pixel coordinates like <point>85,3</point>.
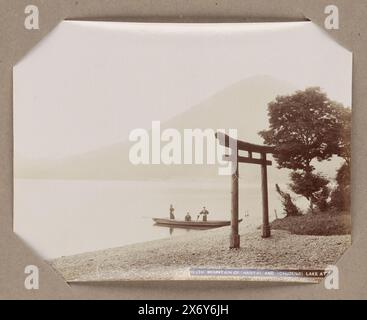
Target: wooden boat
<point>192,224</point>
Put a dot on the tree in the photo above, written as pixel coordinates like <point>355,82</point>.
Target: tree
<point>322,198</point>
<point>340,196</point>
<point>309,185</point>
<point>344,116</point>
<point>290,209</point>
<point>303,127</point>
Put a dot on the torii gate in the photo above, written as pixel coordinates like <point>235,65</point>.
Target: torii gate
<point>228,142</point>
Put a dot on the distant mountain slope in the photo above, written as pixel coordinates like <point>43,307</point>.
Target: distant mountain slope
<point>242,106</point>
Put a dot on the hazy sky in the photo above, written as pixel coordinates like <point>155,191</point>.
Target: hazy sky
<point>87,84</point>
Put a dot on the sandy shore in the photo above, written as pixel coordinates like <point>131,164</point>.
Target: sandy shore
<point>171,259</point>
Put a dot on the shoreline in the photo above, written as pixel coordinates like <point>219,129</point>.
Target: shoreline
<point>172,258</point>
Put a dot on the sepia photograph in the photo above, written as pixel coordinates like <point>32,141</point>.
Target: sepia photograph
<point>184,151</point>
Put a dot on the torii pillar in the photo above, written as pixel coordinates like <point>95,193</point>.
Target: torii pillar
<point>229,142</point>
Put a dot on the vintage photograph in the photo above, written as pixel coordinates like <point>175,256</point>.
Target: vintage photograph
<point>184,151</point>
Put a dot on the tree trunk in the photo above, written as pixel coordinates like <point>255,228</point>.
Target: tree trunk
<point>311,205</point>
<point>309,170</point>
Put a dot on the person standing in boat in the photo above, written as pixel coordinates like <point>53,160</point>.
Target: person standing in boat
<point>171,212</point>
<point>188,217</point>
<point>205,213</point>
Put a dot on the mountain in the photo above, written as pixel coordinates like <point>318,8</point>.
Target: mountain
<point>241,106</point>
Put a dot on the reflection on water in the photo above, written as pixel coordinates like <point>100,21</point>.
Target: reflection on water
<point>179,228</point>
<point>171,229</point>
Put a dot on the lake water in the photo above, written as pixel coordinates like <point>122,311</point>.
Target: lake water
<point>64,217</point>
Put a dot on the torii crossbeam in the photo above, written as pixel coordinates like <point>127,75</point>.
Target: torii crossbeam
<point>229,142</point>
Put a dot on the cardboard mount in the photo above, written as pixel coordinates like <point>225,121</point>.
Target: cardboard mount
<point>17,41</point>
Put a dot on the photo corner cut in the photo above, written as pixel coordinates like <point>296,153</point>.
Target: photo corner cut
<point>184,151</point>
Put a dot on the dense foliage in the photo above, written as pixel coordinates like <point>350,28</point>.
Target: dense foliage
<point>305,127</point>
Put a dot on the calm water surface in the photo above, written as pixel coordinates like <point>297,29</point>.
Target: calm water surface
<point>63,217</point>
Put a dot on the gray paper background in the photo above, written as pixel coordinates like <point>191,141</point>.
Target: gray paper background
<point>16,41</point>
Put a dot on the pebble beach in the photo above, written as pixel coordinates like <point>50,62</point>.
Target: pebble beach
<point>172,258</point>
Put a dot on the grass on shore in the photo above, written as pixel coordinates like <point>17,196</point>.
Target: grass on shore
<point>320,224</point>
